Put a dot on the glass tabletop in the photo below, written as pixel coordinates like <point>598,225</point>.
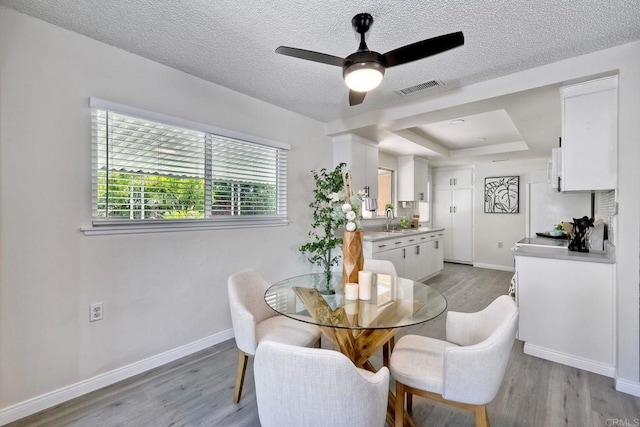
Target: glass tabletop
<point>395,302</point>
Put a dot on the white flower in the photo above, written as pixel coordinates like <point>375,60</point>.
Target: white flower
<point>346,208</point>
<point>351,226</point>
<point>335,197</point>
<point>351,215</point>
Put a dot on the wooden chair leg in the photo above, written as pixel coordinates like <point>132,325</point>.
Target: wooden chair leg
<point>399,404</point>
<point>318,343</point>
<point>387,348</point>
<point>482,417</point>
<point>385,354</point>
<point>243,358</point>
<point>409,402</point>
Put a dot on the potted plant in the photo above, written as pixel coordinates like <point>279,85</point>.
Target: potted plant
<point>328,217</point>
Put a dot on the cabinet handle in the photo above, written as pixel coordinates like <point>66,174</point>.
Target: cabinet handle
<point>455,209</point>
<point>397,243</point>
<point>437,244</point>
<point>450,209</point>
<point>455,181</point>
<point>418,250</point>
<point>382,246</point>
<point>404,252</point>
<point>440,234</point>
<point>422,238</point>
<point>412,240</point>
<point>450,181</point>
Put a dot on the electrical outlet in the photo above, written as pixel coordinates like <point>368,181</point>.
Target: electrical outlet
<point>499,245</point>
<point>95,312</point>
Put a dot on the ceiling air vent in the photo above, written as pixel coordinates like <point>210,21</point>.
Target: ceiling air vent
<point>420,87</point>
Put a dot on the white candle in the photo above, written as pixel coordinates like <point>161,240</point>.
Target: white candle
<point>351,291</point>
<point>364,282</point>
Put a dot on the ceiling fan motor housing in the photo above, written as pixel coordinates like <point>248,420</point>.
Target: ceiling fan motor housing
<point>359,60</point>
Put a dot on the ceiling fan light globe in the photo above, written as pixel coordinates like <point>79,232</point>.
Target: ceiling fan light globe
<point>363,76</point>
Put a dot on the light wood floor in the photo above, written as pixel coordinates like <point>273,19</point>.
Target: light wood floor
<point>197,390</point>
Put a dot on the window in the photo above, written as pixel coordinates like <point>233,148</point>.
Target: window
<point>385,190</point>
<point>424,208</point>
<point>170,172</point>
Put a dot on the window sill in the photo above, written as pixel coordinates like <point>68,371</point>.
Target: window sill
<point>100,228</point>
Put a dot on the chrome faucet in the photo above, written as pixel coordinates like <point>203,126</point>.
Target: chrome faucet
<point>389,215</point>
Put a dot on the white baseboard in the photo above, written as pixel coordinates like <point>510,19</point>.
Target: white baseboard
<point>629,387</point>
<point>56,397</point>
<point>494,267</point>
<point>570,360</point>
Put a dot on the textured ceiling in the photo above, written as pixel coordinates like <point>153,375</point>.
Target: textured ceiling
<point>232,43</point>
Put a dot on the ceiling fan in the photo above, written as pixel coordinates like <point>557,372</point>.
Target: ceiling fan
<point>363,70</point>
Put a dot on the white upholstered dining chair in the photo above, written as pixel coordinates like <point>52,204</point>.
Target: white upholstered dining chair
<point>382,266</point>
<point>466,370</point>
<point>254,321</point>
<point>299,386</point>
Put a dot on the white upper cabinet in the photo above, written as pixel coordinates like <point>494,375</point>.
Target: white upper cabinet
<point>454,178</point>
<point>412,179</point>
<point>589,135</point>
<point>361,157</point>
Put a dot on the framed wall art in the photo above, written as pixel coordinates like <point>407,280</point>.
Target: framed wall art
<point>502,194</point>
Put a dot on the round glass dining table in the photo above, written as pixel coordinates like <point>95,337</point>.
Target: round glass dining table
<point>356,328</point>
<point>395,302</point>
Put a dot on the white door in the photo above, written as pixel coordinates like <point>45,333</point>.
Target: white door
<point>462,225</point>
<point>443,208</point>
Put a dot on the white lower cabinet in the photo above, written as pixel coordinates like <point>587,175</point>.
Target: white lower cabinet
<point>417,256</point>
<point>567,311</point>
<point>435,254</point>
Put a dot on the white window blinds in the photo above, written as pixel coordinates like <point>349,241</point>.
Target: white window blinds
<point>149,171</point>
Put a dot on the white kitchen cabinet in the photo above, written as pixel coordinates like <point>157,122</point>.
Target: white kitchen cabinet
<point>416,256</point>
<point>361,157</point>
<point>567,311</point>
<point>589,135</point>
<point>454,178</point>
<point>423,265</point>
<point>436,254</point>
<point>453,211</point>
<point>398,250</point>
<point>412,178</point>
<point>433,258</point>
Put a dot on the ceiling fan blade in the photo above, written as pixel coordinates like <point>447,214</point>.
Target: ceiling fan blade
<point>310,55</point>
<point>356,98</point>
<point>423,49</point>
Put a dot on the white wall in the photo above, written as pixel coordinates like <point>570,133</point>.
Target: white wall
<point>160,291</point>
<point>387,161</point>
<point>493,228</point>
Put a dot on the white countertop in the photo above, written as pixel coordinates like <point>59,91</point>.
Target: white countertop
<point>541,247</point>
<point>373,236</point>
